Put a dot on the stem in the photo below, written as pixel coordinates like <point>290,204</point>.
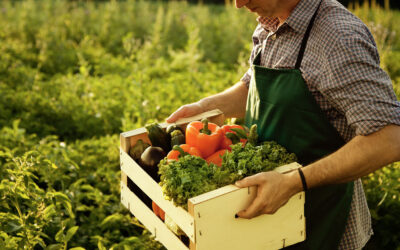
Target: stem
<point>233,137</point>
<point>180,150</point>
<point>21,217</point>
<point>205,129</point>
<point>253,136</point>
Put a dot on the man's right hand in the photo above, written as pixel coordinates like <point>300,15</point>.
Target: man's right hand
<point>232,102</point>
<point>187,111</point>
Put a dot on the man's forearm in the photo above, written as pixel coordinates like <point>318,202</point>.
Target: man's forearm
<point>359,157</point>
<point>232,101</point>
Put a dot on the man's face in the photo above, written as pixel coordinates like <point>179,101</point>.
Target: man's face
<point>267,8</point>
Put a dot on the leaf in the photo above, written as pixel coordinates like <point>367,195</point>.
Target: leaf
<point>60,235</point>
<point>111,219</point>
<point>101,246</point>
<point>61,197</point>
<point>240,132</point>
<point>77,248</point>
<point>12,226</point>
<point>70,233</point>
<point>49,211</point>
<point>55,247</point>
<point>68,207</point>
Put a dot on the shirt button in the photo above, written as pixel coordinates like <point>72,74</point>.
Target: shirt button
<point>273,37</point>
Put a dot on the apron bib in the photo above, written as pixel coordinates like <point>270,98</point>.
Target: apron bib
<point>285,111</point>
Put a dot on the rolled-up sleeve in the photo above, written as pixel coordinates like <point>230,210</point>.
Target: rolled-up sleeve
<point>357,86</point>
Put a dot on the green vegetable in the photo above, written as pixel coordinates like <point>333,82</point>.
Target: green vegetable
<point>137,150</point>
<point>171,128</point>
<point>233,137</point>
<point>158,137</point>
<point>249,160</point>
<point>186,178</point>
<point>177,138</point>
<point>192,176</point>
<point>253,136</point>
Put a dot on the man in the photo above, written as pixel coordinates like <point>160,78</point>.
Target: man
<point>315,87</point>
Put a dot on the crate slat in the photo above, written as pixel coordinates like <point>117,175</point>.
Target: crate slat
<point>150,220</point>
<point>182,121</point>
<point>180,216</point>
<point>218,229</point>
<point>209,222</point>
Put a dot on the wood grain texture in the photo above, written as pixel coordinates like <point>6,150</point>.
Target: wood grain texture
<point>150,220</point>
<point>209,222</point>
<point>179,215</point>
<point>216,226</point>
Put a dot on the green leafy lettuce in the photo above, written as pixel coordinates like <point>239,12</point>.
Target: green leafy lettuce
<point>192,176</point>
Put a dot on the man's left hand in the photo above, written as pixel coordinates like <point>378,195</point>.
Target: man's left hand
<point>273,191</point>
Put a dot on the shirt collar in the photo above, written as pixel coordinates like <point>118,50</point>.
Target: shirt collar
<point>298,19</point>
<point>302,14</point>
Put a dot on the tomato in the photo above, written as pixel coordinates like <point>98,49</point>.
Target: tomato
<point>158,211</point>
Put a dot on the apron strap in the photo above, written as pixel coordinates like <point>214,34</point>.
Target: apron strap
<point>305,38</point>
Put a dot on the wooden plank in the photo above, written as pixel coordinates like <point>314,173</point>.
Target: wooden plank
<point>192,244</point>
<point>180,216</point>
<point>150,220</point>
<point>182,121</point>
<point>125,143</point>
<point>230,188</point>
<point>288,167</point>
<point>217,228</point>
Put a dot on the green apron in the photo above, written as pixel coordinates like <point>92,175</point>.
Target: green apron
<point>285,111</point>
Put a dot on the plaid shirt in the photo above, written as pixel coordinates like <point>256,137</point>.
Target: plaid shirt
<point>341,69</point>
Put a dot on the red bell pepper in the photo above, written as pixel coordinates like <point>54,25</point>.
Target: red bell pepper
<point>177,150</point>
<point>158,211</point>
<point>216,158</point>
<point>204,135</point>
<point>230,137</point>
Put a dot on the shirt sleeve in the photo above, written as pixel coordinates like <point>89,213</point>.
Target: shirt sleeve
<point>358,87</point>
<point>247,77</point>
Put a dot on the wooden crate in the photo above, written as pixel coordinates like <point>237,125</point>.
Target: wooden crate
<point>209,222</point>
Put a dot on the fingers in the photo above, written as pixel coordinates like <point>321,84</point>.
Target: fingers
<point>185,111</point>
<point>176,115</point>
<point>254,209</point>
<point>250,181</point>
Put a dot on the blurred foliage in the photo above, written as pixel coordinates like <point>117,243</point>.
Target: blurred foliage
<point>74,74</point>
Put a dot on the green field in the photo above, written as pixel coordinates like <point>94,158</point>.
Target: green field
<point>73,75</point>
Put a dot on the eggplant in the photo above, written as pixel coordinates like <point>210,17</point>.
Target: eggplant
<point>150,159</point>
<point>158,137</point>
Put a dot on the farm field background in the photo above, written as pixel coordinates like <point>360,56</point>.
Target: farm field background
<point>73,75</point>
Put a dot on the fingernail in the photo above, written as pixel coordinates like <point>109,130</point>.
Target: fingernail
<point>237,183</point>
<point>236,216</point>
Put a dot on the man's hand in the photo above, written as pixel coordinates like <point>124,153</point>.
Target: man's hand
<point>232,102</point>
<point>273,191</point>
<point>187,111</point>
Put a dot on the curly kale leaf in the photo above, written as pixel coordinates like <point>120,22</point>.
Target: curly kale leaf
<point>250,160</point>
<point>186,178</point>
<point>192,176</point>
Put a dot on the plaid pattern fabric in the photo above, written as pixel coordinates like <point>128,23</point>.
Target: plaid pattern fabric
<point>341,69</point>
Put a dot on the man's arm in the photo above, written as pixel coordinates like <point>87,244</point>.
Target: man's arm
<point>359,157</point>
<point>232,102</point>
